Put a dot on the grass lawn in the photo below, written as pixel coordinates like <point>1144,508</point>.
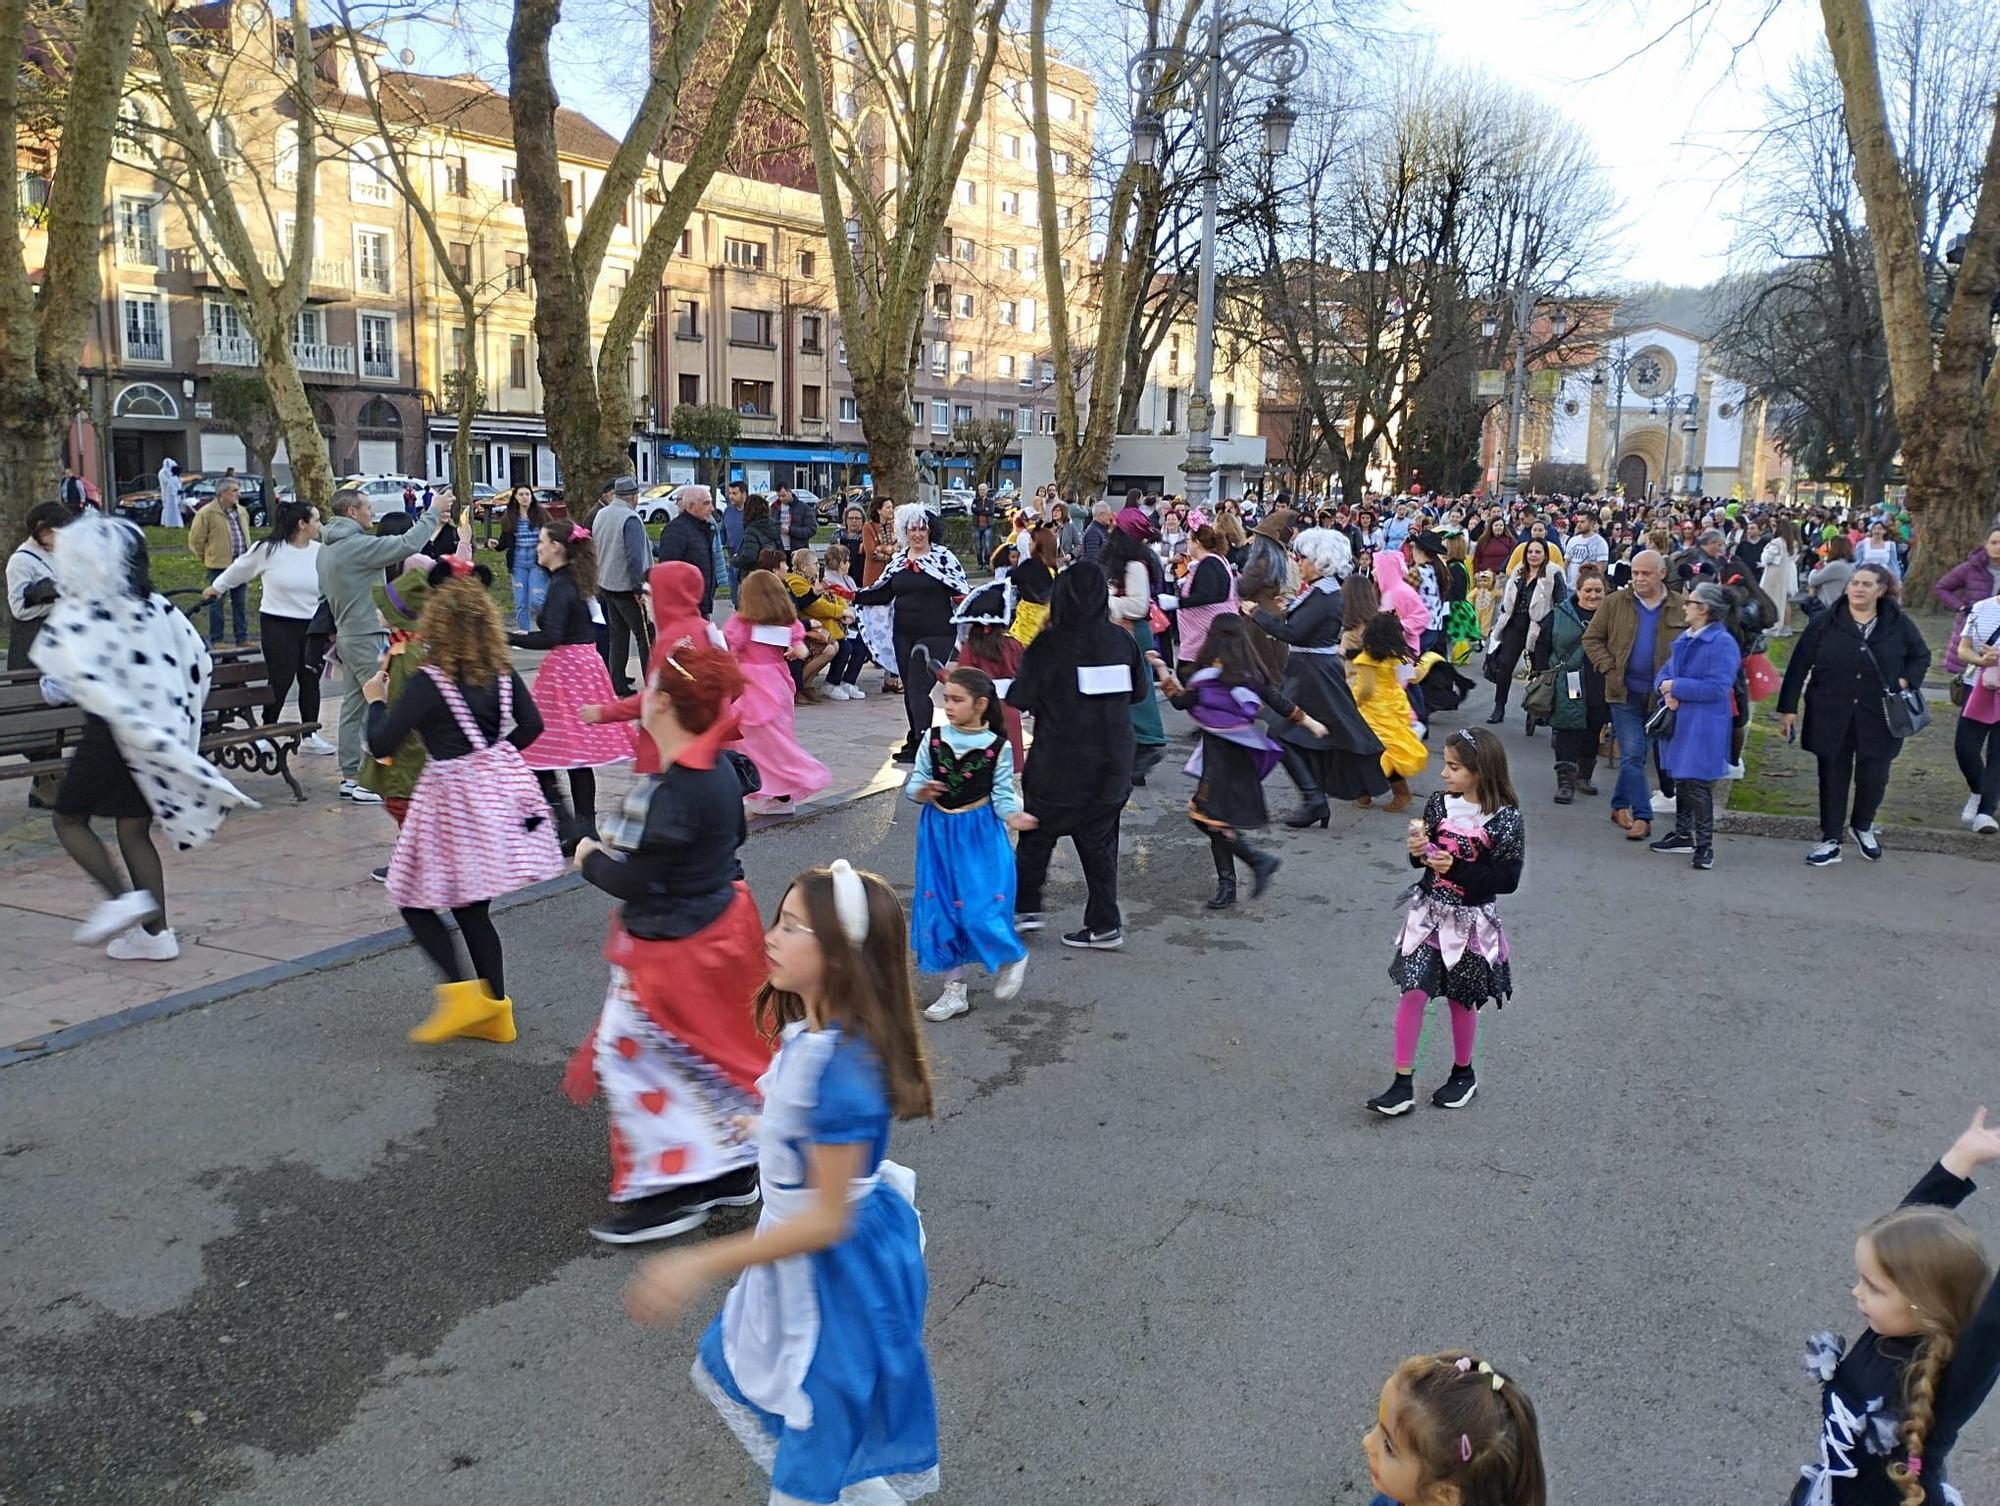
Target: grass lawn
<point>1925,788</point>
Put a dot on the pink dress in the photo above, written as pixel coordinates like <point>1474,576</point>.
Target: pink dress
<point>766,717</point>
<point>571,676</point>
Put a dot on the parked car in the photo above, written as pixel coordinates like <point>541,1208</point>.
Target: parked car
<point>251,494</point>
<point>658,504</point>
<point>955,502</point>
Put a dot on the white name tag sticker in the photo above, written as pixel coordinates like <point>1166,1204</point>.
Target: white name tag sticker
<point>1001,687</point>
<point>1575,685</point>
<point>776,636</point>
<point>1170,603</point>
<point>1104,679</point>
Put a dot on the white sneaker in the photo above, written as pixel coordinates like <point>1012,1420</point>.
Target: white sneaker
<point>1970,814</point>
<point>1985,825</point>
<point>140,945</point>
<point>845,693</point>
<point>1734,771</point>
<point>1662,803</point>
<point>951,1002</point>
<point>133,908</point>
<point>1007,982</point>
<point>349,790</point>
<point>856,693</point>
<point>312,742</point>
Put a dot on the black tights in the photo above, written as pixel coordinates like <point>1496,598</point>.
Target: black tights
<point>135,844</point>
<point>582,796</point>
<point>482,944</point>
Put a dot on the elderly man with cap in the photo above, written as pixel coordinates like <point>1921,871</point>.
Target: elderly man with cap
<point>623,557</point>
<point>1626,642</point>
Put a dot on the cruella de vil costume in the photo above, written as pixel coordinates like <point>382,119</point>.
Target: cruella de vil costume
<point>1861,1395</point>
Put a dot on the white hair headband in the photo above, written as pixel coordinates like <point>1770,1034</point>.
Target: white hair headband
<point>850,901</point>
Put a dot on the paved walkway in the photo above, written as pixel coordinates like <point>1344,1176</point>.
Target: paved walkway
<point>283,881</point>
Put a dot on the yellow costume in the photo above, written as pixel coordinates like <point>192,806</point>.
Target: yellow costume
<point>1028,619</point>
<point>1386,709</point>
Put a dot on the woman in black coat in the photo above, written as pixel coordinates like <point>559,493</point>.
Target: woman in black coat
<point>1346,761</point>
<point>1079,679</point>
<point>1847,662</point>
<point>920,586</point>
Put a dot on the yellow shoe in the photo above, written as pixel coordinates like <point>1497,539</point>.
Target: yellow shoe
<point>499,1026</point>
<point>459,1008</point>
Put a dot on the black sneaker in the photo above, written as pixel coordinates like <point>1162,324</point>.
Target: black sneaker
<point>677,1210</point>
<point>1028,920</point>
<point>1704,858</point>
<point>1397,1100</point>
<point>1094,941</point>
<point>380,875</point>
<point>1457,1090</point>
<point>1824,855</point>
<point>1673,841</point>
<point>1868,842</point>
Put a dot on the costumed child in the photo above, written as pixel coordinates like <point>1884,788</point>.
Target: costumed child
<point>1470,842</point>
<point>765,633</point>
<point>675,589</point>
<point>478,825</point>
<point>816,1361</point>
<point>1033,580</point>
<point>987,644</point>
<point>1894,1402</point>
<point>1450,1430</point>
<point>964,906</point>
<point>394,777</point>
<point>843,675</point>
<point>1234,753</point>
<point>1485,602</point>
<point>1375,674</point>
<point>676,1050</point>
<point>573,675</point>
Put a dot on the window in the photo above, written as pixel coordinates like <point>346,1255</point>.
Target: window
<point>1173,355</point>
<point>458,347</point>
<point>228,155</point>
<point>808,264</point>
<point>1031,259</point>
<point>1063,215</point>
<point>134,141</point>
<point>138,246</point>
<point>1027,316</point>
<point>751,399</point>
<point>517,362</point>
<point>1006,368</point>
<point>941,299</point>
<point>1008,311</point>
<point>288,162</point>
<point>685,245</point>
<point>1010,148</point>
<point>309,329</point>
<point>1048,421</point>
<point>1010,202</point>
<point>378,346</point>
<point>940,357</point>
<point>968,191</point>
<point>625,213</point>
<point>144,400</point>
<point>750,327</point>
<point>371,261</point>
<point>917,413</point>
<point>809,337</point>
<point>1010,258</point>
<point>961,363</point>
<point>1061,106</point>
<point>378,413</point>
<point>962,413</point>
<point>460,257</point>
<point>145,325</point>
<point>1173,410</point>
<point>1228,415</point>
<point>1048,373</point>
<point>222,321</point>
<point>847,106</point>
<point>748,255</point>
<point>1065,269</point>
<point>517,271</point>
<point>966,251</point>
<point>689,387</point>
<point>687,319</point>
<point>940,418</point>
<point>965,306</point>
<point>569,198</point>
<point>840,347</point>
<point>850,412</point>
<point>1027,424</point>
<point>1059,163</point>
<point>365,183</point>
<point>34,187</point>
<point>1005,416</point>
<point>1027,365</point>
<point>510,186</point>
<point>455,179</point>
<point>809,404</point>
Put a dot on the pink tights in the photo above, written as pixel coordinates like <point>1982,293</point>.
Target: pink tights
<point>1410,1025</point>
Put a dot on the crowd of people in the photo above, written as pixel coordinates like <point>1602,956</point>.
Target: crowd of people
<point>744,1062</point>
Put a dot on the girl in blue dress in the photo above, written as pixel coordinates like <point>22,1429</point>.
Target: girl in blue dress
<point>816,1360</point>
<point>964,906</point>
<point>1450,1430</point>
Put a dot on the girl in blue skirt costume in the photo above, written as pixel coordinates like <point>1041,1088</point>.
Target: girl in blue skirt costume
<point>964,906</point>
<point>816,1361</point>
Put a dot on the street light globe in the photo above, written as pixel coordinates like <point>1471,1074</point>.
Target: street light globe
<point>1487,326</point>
<point>1278,122</point>
<point>1560,325</point>
<point>1148,136</point>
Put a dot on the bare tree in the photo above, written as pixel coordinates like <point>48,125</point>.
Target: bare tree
<point>68,83</point>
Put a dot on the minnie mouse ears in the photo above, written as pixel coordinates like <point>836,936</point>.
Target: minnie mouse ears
<point>447,569</point>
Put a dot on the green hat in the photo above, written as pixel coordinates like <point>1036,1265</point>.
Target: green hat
<point>401,602</point>
<point>1734,509</point>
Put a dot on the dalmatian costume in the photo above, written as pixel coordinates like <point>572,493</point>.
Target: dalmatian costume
<point>139,666</point>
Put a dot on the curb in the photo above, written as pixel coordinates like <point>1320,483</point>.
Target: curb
<point>1805,829</point>
<point>356,949</point>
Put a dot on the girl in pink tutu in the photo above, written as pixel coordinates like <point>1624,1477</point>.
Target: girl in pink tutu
<point>764,633</point>
<point>571,677</point>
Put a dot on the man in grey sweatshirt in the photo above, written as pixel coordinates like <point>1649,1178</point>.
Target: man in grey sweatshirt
<point>624,554</point>
<point>351,561</point>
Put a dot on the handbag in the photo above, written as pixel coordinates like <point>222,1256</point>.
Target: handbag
<point>1988,677</point>
<point>1660,725</point>
<point>1904,709</point>
<point>1539,699</point>
<point>1762,676</point>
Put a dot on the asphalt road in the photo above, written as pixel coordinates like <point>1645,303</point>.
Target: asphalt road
<point>267,1252</point>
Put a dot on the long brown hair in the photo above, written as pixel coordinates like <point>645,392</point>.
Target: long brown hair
<point>866,988</point>
<point>1464,1431</point>
<point>1486,756</point>
<point>763,599</point>
<point>579,554</point>
<point>461,631</point>
<point>1938,1263</point>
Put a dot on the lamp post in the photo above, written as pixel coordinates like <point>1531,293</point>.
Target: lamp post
<point>1611,370</point>
<point>1664,408</point>
<point>1234,50</point>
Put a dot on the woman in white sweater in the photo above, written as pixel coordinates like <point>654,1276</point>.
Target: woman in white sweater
<point>287,561</point>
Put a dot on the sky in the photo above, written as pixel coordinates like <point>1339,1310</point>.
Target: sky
<point>1670,125</point>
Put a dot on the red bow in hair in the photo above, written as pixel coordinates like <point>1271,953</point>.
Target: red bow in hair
<point>459,565</point>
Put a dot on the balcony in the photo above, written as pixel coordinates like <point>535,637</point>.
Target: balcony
<point>141,250</point>
<point>325,272</point>
<point>227,350</point>
<point>379,367</point>
<point>758,423</point>
<point>328,360</point>
<point>149,347</point>
<point>241,350</point>
<point>374,281</point>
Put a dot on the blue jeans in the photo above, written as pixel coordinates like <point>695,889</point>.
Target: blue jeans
<point>239,612</point>
<point>847,660</point>
<point>1628,725</point>
<point>531,589</point>
<point>982,543</point>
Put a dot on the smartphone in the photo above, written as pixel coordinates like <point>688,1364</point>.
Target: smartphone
<point>1792,733</point>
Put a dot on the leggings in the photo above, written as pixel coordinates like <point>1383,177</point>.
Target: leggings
<point>285,652</point>
<point>582,794</point>
<point>482,944</point>
<point>1410,1025</point>
<point>919,679</point>
<point>1694,811</point>
<point>1977,745</point>
<point>135,844</point>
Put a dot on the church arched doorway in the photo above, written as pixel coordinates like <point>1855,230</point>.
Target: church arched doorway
<point>1632,477</point>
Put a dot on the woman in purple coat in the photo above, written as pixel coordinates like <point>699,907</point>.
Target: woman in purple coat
<point>1698,681</point>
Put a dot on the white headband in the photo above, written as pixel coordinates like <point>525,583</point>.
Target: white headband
<point>850,901</point>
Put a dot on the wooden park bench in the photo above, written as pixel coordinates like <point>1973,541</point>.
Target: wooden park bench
<point>239,689</point>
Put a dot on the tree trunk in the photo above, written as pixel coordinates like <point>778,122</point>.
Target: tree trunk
<point>884,409</point>
<point>469,392</point>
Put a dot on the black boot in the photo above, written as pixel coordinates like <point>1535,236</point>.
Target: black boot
<point>1223,850</point>
<point>1262,866</point>
<point>1313,809</point>
<point>908,752</point>
<point>1585,767</point>
<point>1565,783</point>
<point>1498,714</point>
